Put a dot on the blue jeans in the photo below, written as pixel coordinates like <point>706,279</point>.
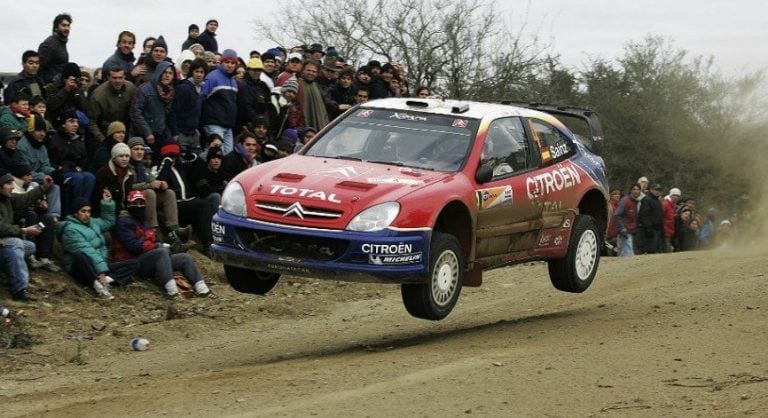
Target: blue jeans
<point>54,200</point>
<point>76,184</point>
<point>224,133</point>
<point>625,245</point>
<point>12,254</point>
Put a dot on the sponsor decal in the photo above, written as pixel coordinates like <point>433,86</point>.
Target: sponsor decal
<point>558,151</point>
<point>553,206</point>
<point>558,240</point>
<point>395,180</point>
<point>411,171</point>
<point>218,229</point>
<point>545,155</point>
<point>552,181</point>
<point>460,123</point>
<point>292,269</point>
<point>488,198</point>
<point>544,240</point>
<point>394,259</point>
<point>387,248</point>
<point>567,223</point>
<point>339,172</point>
<point>308,193</point>
<point>406,116</point>
<point>365,113</point>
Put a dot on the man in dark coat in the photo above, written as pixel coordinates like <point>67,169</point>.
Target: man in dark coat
<point>208,38</point>
<point>53,50</point>
<point>28,80</point>
<point>650,220</point>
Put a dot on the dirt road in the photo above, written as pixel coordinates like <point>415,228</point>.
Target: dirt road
<point>669,335</point>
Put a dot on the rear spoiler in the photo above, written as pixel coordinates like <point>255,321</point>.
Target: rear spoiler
<point>581,121</point>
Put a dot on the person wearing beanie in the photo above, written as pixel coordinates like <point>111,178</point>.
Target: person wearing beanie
<point>117,175</point>
<point>53,50</point>
<point>669,208</point>
<point>193,31</point>
<point>207,178</point>
<point>115,135</point>
<point>219,95</point>
<point>282,113</point>
<point>86,251</point>
<point>14,237</point>
<point>9,155</point>
<point>291,135</point>
<point>208,38</point>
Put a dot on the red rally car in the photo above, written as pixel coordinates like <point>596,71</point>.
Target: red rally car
<point>425,193</point>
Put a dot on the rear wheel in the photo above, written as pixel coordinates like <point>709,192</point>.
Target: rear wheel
<point>435,298</point>
<point>575,272</point>
<point>250,281</point>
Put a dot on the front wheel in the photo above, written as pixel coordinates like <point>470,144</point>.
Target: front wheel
<point>435,298</point>
<point>575,272</point>
<point>250,281</point>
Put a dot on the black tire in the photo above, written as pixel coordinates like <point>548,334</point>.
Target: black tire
<point>575,272</point>
<point>435,298</point>
<point>250,281</point>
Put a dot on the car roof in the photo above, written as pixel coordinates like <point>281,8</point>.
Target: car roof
<point>476,110</point>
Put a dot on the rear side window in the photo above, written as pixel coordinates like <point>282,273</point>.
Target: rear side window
<point>553,145</point>
<point>506,147</point>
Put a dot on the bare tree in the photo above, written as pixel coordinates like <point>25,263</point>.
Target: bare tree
<point>461,49</point>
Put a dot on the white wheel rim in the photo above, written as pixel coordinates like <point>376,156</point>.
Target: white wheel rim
<point>445,278</point>
<point>586,254</point>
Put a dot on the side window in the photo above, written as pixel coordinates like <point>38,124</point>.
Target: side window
<point>506,147</point>
<point>553,145</point>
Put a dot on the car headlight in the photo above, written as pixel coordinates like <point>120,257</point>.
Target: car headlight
<point>375,218</point>
<point>233,199</point>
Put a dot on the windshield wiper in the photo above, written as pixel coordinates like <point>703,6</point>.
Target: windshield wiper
<point>397,163</point>
<point>344,157</point>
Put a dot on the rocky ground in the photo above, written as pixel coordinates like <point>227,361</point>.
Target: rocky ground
<point>663,335</point>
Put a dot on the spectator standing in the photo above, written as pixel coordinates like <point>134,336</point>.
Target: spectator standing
<point>193,31</point>
<point>123,58</point>
<point>208,38</point>
<point>626,220</point>
<point>53,50</point>
<point>707,228</point>
<point>643,182</point>
<point>283,112</point>
<point>28,81</point>
<point>219,92</point>
<point>187,106</point>
<point>269,75</point>
<point>110,102</point>
<point>67,93</point>
<point>669,206</point>
<point>611,232</point>
<point>650,221</point>
<point>253,96</point>
<point>152,114</point>
<point>310,99</point>
<point>342,93</point>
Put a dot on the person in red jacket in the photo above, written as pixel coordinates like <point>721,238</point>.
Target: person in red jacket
<point>669,207</point>
<point>626,220</point>
<point>135,238</point>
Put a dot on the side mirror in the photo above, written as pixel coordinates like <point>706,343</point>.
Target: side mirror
<point>484,173</point>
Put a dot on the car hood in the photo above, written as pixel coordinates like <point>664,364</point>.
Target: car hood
<point>326,192</point>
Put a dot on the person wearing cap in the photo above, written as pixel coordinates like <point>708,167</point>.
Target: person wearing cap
<point>293,66</point>
<point>66,93</point>
<point>650,220</point>
<point>14,246</point>
<point>34,215</point>
<point>316,50</point>
<point>110,102</point>
<point>123,57</point>
<point>192,210</point>
<point>151,109</point>
<point>35,153</point>
<point>208,38</point>
<point>115,134</point>
<point>159,199</point>
<point>68,155</point>
<point>187,106</point>
<point>193,31</point>
<point>669,208</point>
<point>86,250</point>
<point>28,80</point>
<point>9,154</point>
<point>253,96</point>
<point>219,92</point>
<point>53,50</point>
<point>15,116</point>
<point>282,112</point>
<point>135,239</point>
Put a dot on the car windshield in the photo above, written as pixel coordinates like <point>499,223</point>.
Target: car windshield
<point>402,138</point>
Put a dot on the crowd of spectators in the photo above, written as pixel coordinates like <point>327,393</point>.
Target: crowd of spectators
<point>76,145</point>
<point>645,221</point>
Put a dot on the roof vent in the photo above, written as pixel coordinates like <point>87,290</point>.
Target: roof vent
<point>460,108</point>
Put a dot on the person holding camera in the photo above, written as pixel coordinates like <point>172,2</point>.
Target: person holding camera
<point>65,94</point>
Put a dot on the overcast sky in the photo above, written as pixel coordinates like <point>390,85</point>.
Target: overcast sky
<point>735,32</point>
